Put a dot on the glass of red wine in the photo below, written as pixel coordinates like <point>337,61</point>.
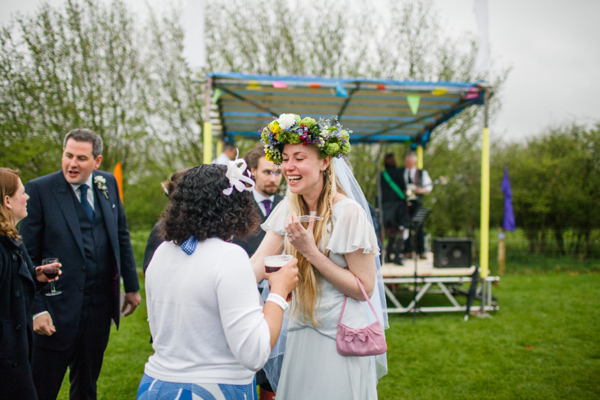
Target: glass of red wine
<point>51,273</point>
<point>274,264</point>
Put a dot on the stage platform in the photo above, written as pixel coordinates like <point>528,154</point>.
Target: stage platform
<point>452,283</point>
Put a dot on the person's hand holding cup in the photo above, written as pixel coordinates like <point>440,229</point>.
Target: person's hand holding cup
<point>282,273</point>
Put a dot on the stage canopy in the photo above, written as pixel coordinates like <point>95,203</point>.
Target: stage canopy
<point>376,110</point>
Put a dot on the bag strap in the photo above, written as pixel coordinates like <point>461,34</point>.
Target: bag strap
<point>362,289</point>
<point>392,184</point>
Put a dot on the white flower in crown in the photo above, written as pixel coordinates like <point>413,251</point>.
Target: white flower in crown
<point>101,184</point>
<point>236,176</point>
<point>285,121</point>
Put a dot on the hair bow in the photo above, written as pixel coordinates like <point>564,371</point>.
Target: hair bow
<point>235,174</point>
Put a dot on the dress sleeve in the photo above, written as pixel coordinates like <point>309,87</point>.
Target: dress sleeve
<point>352,231</point>
<point>277,218</point>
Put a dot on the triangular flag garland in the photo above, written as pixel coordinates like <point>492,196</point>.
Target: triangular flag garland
<point>413,101</point>
<point>472,94</point>
<point>252,85</point>
<point>340,91</point>
<point>439,92</point>
<point>314,85</point>
<point>216,95</point>
<point>280,85</point>
<point>380,87</point>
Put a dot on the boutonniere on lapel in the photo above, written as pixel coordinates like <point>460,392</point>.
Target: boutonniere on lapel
<point>101,184</point>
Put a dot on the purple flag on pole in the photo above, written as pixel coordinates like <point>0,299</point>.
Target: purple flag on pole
<point>508,222</point>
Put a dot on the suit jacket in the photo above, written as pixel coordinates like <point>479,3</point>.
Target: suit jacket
<point>251,243</point>
<point>52,229</point>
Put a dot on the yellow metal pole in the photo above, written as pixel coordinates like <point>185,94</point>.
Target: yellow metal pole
<point>219,147</point>
<point>420,157</point>
<point>207,131</point>
<point>207,143</point>
<point>485,196</point>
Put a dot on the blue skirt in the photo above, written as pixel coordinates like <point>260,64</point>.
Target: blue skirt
<point>155,389</point>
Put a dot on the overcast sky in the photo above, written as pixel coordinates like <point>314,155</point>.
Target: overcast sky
<point>551,45</point>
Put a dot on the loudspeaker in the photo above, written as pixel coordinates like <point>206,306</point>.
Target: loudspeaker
<point>452,252</point>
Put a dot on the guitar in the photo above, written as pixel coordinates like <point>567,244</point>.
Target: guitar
<point>411,187</point>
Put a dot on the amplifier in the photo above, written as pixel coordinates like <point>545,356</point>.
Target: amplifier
<point>452,252</point>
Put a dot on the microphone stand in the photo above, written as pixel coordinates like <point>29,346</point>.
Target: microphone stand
<point>416,222</point>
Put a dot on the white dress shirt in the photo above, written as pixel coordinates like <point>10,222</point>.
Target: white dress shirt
<point>90,192</point>
<point>427,183</point>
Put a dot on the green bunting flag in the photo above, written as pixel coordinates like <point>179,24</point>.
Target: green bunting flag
<point>216,95</point>
<point>413,102</point>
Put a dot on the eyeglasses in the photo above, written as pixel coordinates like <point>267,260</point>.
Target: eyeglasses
<point>267,172</point>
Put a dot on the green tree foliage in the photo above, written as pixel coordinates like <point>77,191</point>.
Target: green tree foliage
<point>555,180</point>
<point>91,64</point>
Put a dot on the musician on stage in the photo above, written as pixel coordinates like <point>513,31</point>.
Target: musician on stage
<point>418,184</point>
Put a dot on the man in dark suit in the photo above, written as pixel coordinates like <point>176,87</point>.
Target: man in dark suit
<point>267,178</point>
<point>420,184</point>
<point>76,215</point>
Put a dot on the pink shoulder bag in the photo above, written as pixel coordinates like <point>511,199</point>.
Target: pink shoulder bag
<point>368,341</point>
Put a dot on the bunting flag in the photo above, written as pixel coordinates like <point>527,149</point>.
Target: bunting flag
<point>472,94</point>
<point>314,85</point>
<point>439,92</point>
<point>118,173</point>
<point>340,91</point>
<point>216,95</point>
<point>508,222</point>
<point>380,87</point>
<point>280,85</point>
<point>413,102</point>
<point>253,85</point>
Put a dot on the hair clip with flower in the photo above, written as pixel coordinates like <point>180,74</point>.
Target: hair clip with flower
<point>236,170</point>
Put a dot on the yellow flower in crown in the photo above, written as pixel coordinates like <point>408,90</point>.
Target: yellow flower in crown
<point>274,127</point>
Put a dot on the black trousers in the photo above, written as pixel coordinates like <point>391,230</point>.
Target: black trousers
<point>420,234</point>
<point>84,357</point>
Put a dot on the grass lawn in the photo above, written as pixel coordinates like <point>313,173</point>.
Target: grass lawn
<point>544,343</point>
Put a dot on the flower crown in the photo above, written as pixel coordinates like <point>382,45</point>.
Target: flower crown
<point>330,138</point>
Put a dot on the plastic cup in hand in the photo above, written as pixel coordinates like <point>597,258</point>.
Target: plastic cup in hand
<point>51,274</point>
<point>307,218</point>
<point>274,264</point>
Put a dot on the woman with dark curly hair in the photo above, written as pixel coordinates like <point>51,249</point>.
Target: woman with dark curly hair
<point>210,332</point>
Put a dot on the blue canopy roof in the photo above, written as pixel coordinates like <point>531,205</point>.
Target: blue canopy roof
<point>376,110</point>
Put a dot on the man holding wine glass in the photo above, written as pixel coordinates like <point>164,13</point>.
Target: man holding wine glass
<point>76,215</point>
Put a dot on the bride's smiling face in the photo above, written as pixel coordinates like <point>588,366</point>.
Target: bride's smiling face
<point>303,169</point>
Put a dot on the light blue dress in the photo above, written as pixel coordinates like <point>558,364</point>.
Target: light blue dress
<point>312,367</point>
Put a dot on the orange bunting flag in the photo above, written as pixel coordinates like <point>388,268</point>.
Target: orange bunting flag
<point>314,86</point>
<point>118,173</point>
<point>380,87</point>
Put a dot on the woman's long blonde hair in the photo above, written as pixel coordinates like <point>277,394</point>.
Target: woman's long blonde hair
<point>306,293</point>
<point>9,184</point>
